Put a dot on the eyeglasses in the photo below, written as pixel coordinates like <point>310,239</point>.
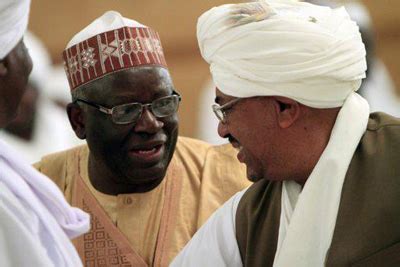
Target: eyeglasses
<point>131,112</point>
<point>220,111</point>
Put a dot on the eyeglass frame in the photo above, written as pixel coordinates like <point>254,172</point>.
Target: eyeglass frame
<point>216,108</point>
<point>109,111</point>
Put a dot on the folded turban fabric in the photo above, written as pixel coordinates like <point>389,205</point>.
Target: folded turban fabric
<point>13,22</point>
<point>309,53</point>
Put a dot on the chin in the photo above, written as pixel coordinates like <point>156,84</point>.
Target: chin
<point>148,175</point>
<point>253,176</point>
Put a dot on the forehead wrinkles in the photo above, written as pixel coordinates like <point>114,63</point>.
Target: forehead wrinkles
<point>141,76</point>
<point>131,81</point>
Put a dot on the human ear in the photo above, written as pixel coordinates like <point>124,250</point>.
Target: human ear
<point>76,119</point>
<point>287,111</point>
<point>3,69</point>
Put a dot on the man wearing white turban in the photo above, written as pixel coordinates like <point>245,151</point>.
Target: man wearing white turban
<point>327,188</point>
<point>36,222</point>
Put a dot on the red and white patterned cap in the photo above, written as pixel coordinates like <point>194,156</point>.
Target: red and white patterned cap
<point>109,44</point>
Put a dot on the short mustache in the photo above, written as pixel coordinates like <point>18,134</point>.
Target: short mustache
<point>231,139</point>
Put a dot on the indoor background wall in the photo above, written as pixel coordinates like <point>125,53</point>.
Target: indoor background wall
<point>56,21</point>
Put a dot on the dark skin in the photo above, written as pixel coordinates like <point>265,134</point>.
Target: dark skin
<point>23,125</point>
<point>115,166</point>
<point>14,72</point>
<point>278,138</point>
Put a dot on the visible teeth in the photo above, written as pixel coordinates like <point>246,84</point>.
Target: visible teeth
<point>147,151</point>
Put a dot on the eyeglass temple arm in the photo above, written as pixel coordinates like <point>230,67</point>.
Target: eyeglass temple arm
<point>101,108</point>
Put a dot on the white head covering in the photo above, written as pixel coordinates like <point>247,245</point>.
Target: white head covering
<point>109,21</point>
<point>309,53</point>
<point>13,23</point>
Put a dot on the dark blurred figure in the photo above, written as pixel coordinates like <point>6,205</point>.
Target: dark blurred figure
<point>35,220</point>
<point>41,125</point>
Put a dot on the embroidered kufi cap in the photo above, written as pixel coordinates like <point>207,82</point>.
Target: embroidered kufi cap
<point>109,44</point>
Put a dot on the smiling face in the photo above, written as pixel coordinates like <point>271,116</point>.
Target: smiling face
<point>136,153</point>
<point>252,129</point>
<point>277,137</point>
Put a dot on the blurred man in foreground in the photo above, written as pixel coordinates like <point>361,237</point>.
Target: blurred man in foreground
<point>40,126</point>
<point>35,220</point>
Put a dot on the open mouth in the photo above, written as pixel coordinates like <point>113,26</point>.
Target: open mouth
<point>148,154</point>
<point>238,146</point>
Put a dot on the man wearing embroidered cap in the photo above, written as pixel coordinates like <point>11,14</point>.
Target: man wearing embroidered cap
<point>147,189</point>
<point>36,222</point>
<point>327,188</point>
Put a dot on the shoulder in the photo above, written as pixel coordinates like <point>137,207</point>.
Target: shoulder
<point>225,170</point>
<point>382,137</point>
<point>186,145</point>
<point>191,153</point>
<point>58,159</point>
<point>55,165</point>
<point>381,120</point>
<point>384,124</point>
<point>223,152</point>
<point>258,195</point>
<point>189,146</point>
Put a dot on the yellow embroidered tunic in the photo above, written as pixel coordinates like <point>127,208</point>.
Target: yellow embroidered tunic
<point>148,228</point>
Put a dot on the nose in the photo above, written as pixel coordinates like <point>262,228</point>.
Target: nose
<point>223,130</point>
<point>148,123</point>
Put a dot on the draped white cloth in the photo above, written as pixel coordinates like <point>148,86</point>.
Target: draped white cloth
<point>310,231</point>
<point>306,233</point>
<point>289,197</point>
<point>35,217</point>
<point>309,53</point>
<point>13,22</point>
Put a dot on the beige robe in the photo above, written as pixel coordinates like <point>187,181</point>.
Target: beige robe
<point>148,229</point>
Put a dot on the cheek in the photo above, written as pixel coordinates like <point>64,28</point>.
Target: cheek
<point>24,67</point>
<point>171,130</point>
<point>102,133</point>
<point>254,140</point>
<point>27,63</point>
<point>171,125</point>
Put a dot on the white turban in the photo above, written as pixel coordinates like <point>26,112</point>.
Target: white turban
<point>309,53</point>
<point>13,23</point>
